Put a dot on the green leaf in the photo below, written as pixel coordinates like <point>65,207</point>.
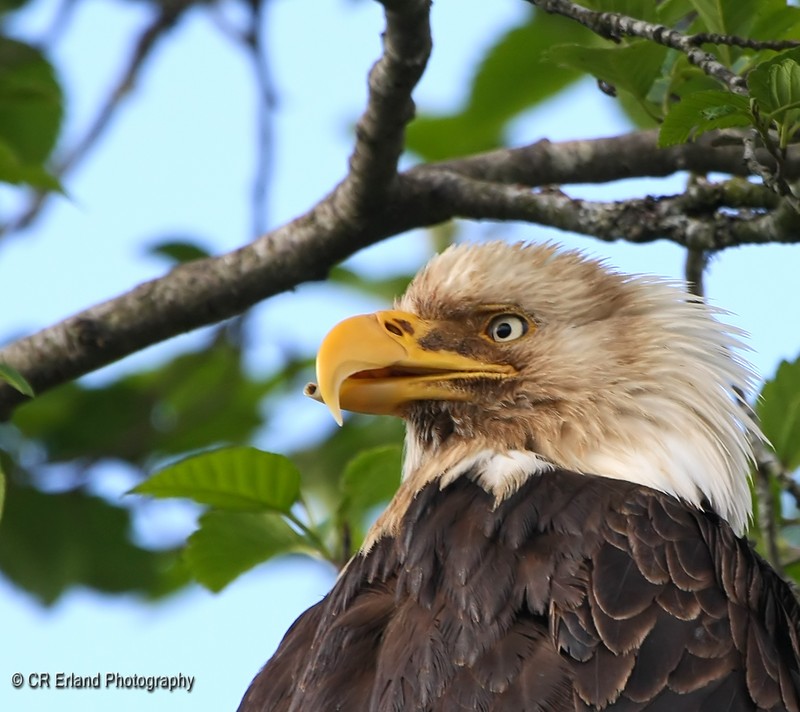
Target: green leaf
<point>778,409</point>
<point>515,75</point>
<point>760,83</point>
<point>727,17</point>
<point>388,288</point>
<point>229,543</point>
<point>322,465</point>
<point>792,571</point>
<point>370,479</point>
<point>775,87</point>
<point>671,12</point>
<point>238,478</point>
<point>775,20</point>
<point>9,5</point>
<point>179,251</point>
<point>15,379</point>
<point>14,171</point>
<point>634,67</point>
<point>30,117</point>
<point>51,542</point>
<point>778,93</point>
<point>703,111</point>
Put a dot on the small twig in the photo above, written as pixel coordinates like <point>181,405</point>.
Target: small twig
<point>347,545</point>
<point>312,537</point>
<point>767,508</point>
<point>256,42</point>
<point>613,26</point>
<point>767,461</point>
<point>694,270</point>
<point>767,469</point>
<point>61,19</point>
<point>733,41</point>
<point>774,180</point>
<point>696,260</point>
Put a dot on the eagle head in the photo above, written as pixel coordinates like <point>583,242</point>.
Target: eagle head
<point>508,359</point>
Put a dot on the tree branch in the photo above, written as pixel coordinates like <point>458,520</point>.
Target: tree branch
<point>380,132</point>
<point>602,160</point>
<point>689,219</point>
<point>694,270</point>
<point>613,26</point>
<point>702,38</point>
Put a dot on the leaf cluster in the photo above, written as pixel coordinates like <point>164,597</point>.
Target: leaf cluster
<point>56,531</point>
<point>257,509</point>
<point>655,85</point>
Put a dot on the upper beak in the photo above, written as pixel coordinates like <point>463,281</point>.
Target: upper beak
<point>375,363</point>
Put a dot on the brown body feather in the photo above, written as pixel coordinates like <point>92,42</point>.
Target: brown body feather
<point>575,593</point>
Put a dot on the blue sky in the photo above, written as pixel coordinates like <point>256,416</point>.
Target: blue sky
<point>178,162</point>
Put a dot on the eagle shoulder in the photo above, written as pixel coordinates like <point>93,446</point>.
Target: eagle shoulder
<point>575,593</point>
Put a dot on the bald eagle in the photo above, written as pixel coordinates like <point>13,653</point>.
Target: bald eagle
<point>567,534</point>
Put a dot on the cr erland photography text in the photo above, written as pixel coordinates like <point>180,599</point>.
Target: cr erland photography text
<point>102,681</point>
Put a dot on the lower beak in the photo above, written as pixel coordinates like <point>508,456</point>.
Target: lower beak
<point>375,363</point>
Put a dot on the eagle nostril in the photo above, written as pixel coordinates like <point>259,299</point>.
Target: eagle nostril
<point>396,330</point>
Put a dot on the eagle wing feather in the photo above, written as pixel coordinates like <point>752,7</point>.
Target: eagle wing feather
<point>575,593</point>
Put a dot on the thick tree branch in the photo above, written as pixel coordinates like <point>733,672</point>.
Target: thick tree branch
<point>380,133</point>
<point>689,219</point>
<point>633,155</point>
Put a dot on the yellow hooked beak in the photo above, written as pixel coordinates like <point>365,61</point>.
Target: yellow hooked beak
<point>375,363</point>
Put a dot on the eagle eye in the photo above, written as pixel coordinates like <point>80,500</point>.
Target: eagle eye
<point>507,327</point>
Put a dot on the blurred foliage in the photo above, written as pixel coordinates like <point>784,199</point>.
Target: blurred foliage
<point>776,526</point>
<point>2,491</point>
<point>778,410</point>
<point>178,251</point>
<point>50,542</point>
<point>202,411</point>
<point>514,76</point>
<point>31,114</point>
<point>15,379</point>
